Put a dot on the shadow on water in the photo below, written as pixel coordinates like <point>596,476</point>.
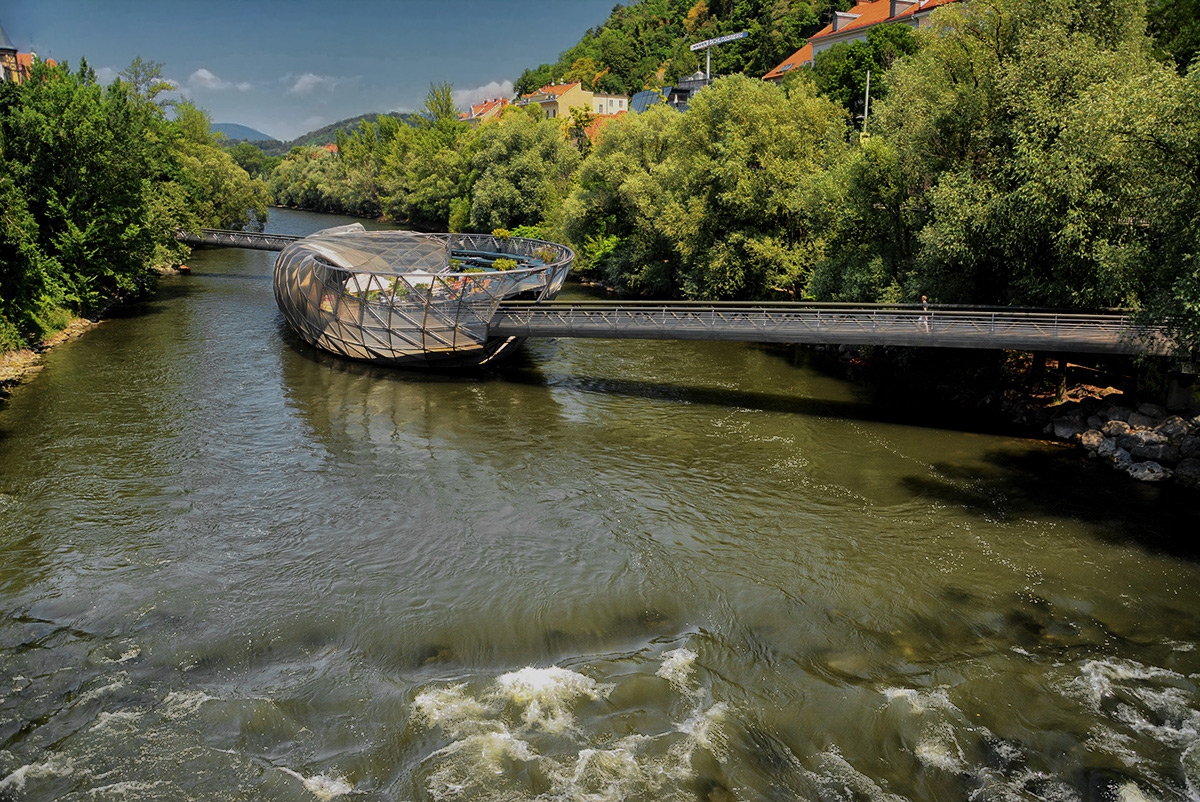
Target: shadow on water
<point>1059,482</point>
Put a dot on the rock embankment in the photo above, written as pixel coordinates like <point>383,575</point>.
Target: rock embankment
<point>1148,443</point>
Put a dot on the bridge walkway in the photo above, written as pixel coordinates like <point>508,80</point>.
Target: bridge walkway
<point>939,327</point>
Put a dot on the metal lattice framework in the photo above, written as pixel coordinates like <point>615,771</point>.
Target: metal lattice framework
<point>834,323</point>
<point>401,297</point>
<point>236,239</point>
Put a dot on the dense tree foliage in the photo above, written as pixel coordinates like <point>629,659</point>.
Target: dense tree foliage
<point>717,203</point>
<point>94,182</point>
<point>841,72</point>
<point>646,45</point>
<point>1033,153</point>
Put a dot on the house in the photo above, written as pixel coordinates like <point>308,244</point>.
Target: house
<point>852,25</point>
<point>558,99</point>
<point>486,110</point>
<point>11,69</point>
<point>606,104</point>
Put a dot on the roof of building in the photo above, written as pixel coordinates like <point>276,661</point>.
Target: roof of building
<point>480,109</point>
<point>599,122</point>
<point>864,15</point>
<point>552,90</point>
<point>5,42</point>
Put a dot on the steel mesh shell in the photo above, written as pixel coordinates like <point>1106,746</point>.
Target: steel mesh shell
<point>401,297</point>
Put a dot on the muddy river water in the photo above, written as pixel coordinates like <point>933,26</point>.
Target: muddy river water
<point>232,568</point>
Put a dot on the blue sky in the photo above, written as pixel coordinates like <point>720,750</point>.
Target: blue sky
<point>287,67</point>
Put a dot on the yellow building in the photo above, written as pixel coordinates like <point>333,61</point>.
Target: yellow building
<point>557,100</point>
<point>14,66</point>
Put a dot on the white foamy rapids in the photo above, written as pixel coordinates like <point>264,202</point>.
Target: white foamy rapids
<point>449,708</point>
<point>517,739</point>
<point>1146,700</point>
<point>546,694</point>
<point>179,704</point>
<point>323,786</point>
<point>121,721</point>
<point>676,669</point>
<point>837,779</point>
<point>707,730</point>
<point>937,721</point>
<point>54,767</point>
<point>474,767</point>
<point>1191,769</point>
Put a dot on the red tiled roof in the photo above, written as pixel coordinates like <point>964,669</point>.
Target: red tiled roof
<point>599,122</point>
<point>863,15</point>
<point>480,109</point>
<point>553,89</point>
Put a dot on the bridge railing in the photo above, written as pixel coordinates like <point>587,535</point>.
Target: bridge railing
<point>909,325</point>
<point>235,239</point>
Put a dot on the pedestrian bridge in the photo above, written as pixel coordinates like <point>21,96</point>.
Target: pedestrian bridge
<point>801,323</point>
<point>841,324</point>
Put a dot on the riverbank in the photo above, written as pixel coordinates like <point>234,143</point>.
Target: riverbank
<point>1102,409</point>
<point>17,367</point>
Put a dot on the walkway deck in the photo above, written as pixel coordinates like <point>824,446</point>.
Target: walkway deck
<point>832,324</point>
<point>236,239</point>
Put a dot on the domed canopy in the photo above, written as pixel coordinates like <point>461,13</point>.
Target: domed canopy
<point>400,297</point>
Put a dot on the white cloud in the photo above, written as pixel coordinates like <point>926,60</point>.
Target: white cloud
<point>310,82</point>
<point>465,98</point>
<point>205,79</point>
<point>106,75</point>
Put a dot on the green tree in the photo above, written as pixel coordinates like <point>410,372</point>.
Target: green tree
<point>718,203</point>
<point>145,79</point>
<point>1175,26</point>
<point>523,166</point>
<point>841,71</point>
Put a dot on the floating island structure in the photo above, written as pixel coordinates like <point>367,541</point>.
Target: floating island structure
<point>404,298</point>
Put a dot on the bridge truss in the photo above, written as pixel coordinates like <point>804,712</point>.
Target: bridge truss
<point>833,324</point>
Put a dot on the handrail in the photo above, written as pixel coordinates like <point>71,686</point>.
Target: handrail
<point>892,324</point>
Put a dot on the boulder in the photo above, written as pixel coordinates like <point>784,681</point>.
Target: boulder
<point>1148,472</point>
<point>1121,459</point>
<point>1118,413</point>
<point>1156,452</point>
<point>1189,446</point>
<point>1091,440</point>
<point>1172,428</point>
<point>1187,472</point>
<point>1067,428</point>
<point>1107,448</point>
<point>1139,421</point>
<point>1141,437</point>
<point>1115,428</point>
<point>1152,411</point>
<point>1095,422</point>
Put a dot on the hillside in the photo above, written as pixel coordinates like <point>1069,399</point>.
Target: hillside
<point>646,45</point>
<point>324,135</point>
<point>236,132</point>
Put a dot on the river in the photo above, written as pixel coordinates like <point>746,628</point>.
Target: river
<point>234,568</point>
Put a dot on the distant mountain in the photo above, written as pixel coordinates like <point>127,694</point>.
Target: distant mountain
<point>321,136</point>
<point>234,132</point>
